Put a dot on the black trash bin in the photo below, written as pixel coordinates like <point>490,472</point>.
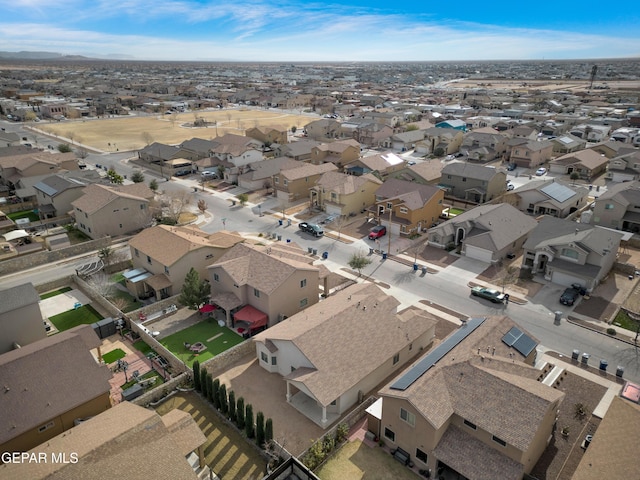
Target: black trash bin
<point>325,255</point>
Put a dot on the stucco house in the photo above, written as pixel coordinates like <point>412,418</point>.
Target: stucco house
<point>21,321</point>
<point>340,153</point>
<point>15,167</point>
<point>446,139</point>
<point>268,135</point>
<point>531,154</point>
<point>587,163</point>
<point>473,183</point>
<point>293,184</point>
<point>300,150</point>
<point>233,152</point>
<point>567,143</point>
<point>484,144</point>
<point>163,255</point>
<point>113,210</point>
<point>47,385</point>
<point>472,406</point>
<point>318,384</point>
<point>624,167</point>
<point>323,129</point>
<point>259,175</point>
<point>549,197</point>
<point>567,252</point>
<point>341,194</point>
<point>276,282</point>
<point>487,232</point>
<point>55,193</point>
<point>401,142</point>
<point>619,207</point>
<point>405,207</point>
<point>382,163</point>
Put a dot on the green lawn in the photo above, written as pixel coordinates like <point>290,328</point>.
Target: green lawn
<point>30,214</point>
<point>623,320</point>
<point>53,293</point>
<point>141,346</point>
<point>152,373</point>
<point>226,451</point>
<point>201,332</point>
<point>113,355</point>
<point>455,211</point>
<point>128,303</point>
<point>86,314</point>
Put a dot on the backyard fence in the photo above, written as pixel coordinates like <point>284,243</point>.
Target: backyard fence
<point>162,390</point>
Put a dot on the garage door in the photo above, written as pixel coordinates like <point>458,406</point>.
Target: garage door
<point>333,209</point>
<point>566,279</point>
<point>478,253</point>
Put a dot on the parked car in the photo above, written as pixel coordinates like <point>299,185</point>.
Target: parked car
<point>377,232</point>
<point>541,171</point>
<point>312,228</point>
<point>510,186</point>
<point>489,294</point>
<point>511,167</point>
<point>208,175</point>
<point>569,296</point>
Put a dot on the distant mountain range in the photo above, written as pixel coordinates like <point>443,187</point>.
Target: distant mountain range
<point>58,56</point>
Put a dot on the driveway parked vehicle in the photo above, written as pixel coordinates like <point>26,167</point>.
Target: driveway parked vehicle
<point>489,294</point>
<point>377,232</point>
<point>312,228</point>
<point>569,296</point>
<point>541,171</point>
<point>510,186</point>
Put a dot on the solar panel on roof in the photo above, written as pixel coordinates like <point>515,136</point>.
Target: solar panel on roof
<point>522,342</point>
<point>558,192</point>
<point>436,355</point>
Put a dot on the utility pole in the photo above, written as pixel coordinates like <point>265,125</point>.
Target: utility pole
<point>389,230</point>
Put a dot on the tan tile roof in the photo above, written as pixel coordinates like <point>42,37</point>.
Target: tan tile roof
<point>168,244</point>
<point>589,158</point>
<point>344,184</point>
<point>97,196</point>
<point>613,453</point>
<point>513,401</point>
<point>361,311</point>
<point>307,170</point>
<point>263,268</point>
<point>125,441</point>
<point>185,433</point>
<point>48,378</point>
<point>26,160</point>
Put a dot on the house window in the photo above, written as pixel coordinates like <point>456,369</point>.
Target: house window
<point>404,210</point>
<point>396,358</point>
<point>569,253</point>
<point>420,455</point>
<point>136,252</point>
<point>148,259</point>
<point>216,277</point>
<point>608,206</point>
<point>45,427</point>
<point>166,270</point>
<point>448,177</point>
<point>499,440</point>
<point>303,283</point>
<point>274,360</point>
<point>334,197</point>
<point>293,369</point>
<point>303,302</point>
<point>389,205</point>
<point>389,434</point>
<point>142,206</point>
<point>276,180</point>
<point>464,179</point>
<point>256,292</point>
<point>264,357</point>
<point>410,346</point>
<point>470,424</point>
<point>285,182</point>
<point>408,417</point>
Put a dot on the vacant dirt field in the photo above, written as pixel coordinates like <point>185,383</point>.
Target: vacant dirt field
<point>133,133</point>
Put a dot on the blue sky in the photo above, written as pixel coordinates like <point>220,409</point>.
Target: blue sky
<point>292,30</point>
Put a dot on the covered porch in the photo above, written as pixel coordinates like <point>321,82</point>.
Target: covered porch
<point>228,303</point>
<point>251,319</point>
<point>300,398</point>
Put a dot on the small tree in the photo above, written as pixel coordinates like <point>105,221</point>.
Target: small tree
<point>215,393</point>
<point>294,129</point>
<point>202,205</point>
<point>438,152</point>
<point>268,430</point>
<point>64,148</point>
<point>574,176</point>
<point>411,127</point>
<point>210,389</point>
<point>106,255</point>
<point>203,382</point>
<point>115,177</point>
<point>153,185</point>
<point>240,413</point>
<point>243,198</point>
<point>260,436</point>
<point>137,177</point>
<point>248,421</point>
<point>147,138</point>
<point>358,261</point>
<point>196,375</point>
<point>232,405</point>
<point>223,399</point>
<point>221,171</point>
<point>195,292</point>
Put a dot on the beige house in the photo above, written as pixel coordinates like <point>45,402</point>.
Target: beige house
<point>588,164</point>
<point>15,167</point>
<point>318,384</point>
<point>322,129</point>
<point>619,207</point>
<point>124,439</point>
<point>381,163</point>
<point>341,194</point>
<point>268,135</point>
<point>473,183</point>
<point>163,255</point>
<point>113,210</point>
<point>472,406</point>
<point>278,281</point>
<point>47,385</point>
<point>405,207</point>
<point>55,193</point>
<point>447,139</point>
<point>21,321</point>
<point>340,153</point>
<point>531,154</point>
<point>548,197</point>
<point>293,184</point>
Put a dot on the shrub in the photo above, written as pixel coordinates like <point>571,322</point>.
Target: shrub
<point>341,432</point>
<point>248,421</point>
<point>611,331</point>
<point>240,413</point>
<point>232,405</point>
<point>196,375</point>
<point>314,457</point>
<point>215,396</point>
<point>268,430</point>
<point>223,399</point>
<point>328,444</point>
<point>209,386</point>
<point>203,382</point>
<point>260,429</point>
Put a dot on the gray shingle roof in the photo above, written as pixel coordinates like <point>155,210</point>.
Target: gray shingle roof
<point>469,170</point>
<point>16,297</point>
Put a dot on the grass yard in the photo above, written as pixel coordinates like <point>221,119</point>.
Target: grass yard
<point>216,338</point>
<point>355,461</point>
<point>117,278</point>
<point>152,373</point>
<point>113,355</point>
<point>455,211</point>
<point>85,315</point>
<point>141,346</point>
<point>53,293</point>
<point>226,451</point>
<point>623,320</point>
<point>124,301</point>
<point>30,214</point>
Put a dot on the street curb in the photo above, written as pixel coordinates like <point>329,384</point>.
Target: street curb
<point>573,322</point>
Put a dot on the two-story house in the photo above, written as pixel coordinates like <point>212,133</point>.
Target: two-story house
<point>15,167</point>
<point>567,143</point>
<point>549,197</point>
<point>300,150</point>
<point>318,384</point>
<point>340,153</point>
<point>619,207</point>
<point>624,167</point>
<point>446,140</point>
<point>293,184</point>
<point>21,321</point>
<point>55,193</point>
<point>531,154</point>
<point>323,129</point>
<point>233,152</point>
<point>341,194</point>
<point>473,183</point>
<point>567,252</point>
<point>271,283</point>
<point>484,144</point>
<point>163,255</point>
<point>260,174</point>
<point>472,407</point>
<point>268,135</point>
<point>406,207</point>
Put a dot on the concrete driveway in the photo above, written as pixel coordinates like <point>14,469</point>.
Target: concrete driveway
<point>62,303</point>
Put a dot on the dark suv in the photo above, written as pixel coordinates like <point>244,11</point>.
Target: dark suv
<point>569,296</point>
<point>312,228</point>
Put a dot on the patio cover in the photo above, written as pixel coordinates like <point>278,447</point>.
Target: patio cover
<point>159,281</point>
<point>227,301</point>
<point>15,235</point>
<point>251,315</point>
<point>207,307</point>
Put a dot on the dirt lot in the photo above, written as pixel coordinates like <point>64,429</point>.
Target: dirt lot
<point>128,133</point>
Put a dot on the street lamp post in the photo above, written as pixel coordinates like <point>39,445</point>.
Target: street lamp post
<point>259,210</point>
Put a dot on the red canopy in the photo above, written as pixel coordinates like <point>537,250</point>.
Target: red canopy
<point>251,315</point>
<point>207,308</point>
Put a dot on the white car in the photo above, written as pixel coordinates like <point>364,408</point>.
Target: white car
<point>510,186</point>
<point>541,171</point>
